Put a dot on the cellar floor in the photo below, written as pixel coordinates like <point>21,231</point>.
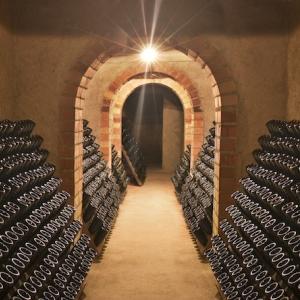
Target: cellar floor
<point>150,254</point>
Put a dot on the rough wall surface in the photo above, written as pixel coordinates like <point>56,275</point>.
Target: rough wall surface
<point>293,67</point>
<point>40,75</point>
<point>261,82</point>
<point>50,41</point>
<point>6,63</point>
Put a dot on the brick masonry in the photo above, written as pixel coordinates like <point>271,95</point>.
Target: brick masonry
<point>226,99</point>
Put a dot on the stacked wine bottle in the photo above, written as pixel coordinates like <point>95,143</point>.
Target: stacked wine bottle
<point>38,258</point>
<point>118,170</point>
<point>258,255</point>
<point>134,160</point>
<point>196,195</point>
<point>101,192</point>
<point>182,170</point>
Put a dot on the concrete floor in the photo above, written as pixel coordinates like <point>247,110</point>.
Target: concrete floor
<point>150,254</point>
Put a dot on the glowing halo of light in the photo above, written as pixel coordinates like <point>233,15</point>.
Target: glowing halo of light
<point>149,54</point>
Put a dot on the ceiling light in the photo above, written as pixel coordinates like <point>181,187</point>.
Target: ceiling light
<point>149,55</point>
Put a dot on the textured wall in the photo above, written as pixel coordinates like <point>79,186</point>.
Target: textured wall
<point>6,63</point>
<point>40,72</point>
<point>293,104</point>
<point>51,37</point>
<point>260,76</point>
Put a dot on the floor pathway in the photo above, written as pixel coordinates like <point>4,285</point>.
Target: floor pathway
<point>150,254</point>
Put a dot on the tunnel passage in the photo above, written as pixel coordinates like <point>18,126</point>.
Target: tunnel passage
<point>155,116</point>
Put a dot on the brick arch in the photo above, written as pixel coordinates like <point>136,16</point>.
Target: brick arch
<point>119,99</point>
<point>192,111</point>
<point>226,100</point>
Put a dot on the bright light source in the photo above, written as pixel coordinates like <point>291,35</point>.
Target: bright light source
<point>149,55</point>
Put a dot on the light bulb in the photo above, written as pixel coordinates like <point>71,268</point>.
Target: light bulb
<point>149,54</point>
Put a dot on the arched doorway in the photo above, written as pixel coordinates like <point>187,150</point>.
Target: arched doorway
<point>226,102</point>
<point>190,117</point>
<point>155,116</point>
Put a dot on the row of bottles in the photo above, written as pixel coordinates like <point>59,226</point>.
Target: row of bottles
<point>17,129</point>
<point>133,158</point>
<point>37,232</point>
<point>257,254</point>
<point>102,188</point>
<point>182,170</point>
<point>196,195</point>
<point>118,170</point>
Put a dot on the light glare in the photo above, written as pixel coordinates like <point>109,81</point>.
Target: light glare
<point>149,55</point>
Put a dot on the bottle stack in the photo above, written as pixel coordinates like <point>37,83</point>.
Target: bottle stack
<point>38,257</point>
<point>133,158</point>
<point>118,170</point>
<point>101,193</point>
<point>257,254</point>
<point>196,195</point>
<point>182,170</point>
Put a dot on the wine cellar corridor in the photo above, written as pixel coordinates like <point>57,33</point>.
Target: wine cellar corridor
<point>150,253</point>
<point>150,150</point>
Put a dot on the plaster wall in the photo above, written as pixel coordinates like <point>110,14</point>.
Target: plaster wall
<point>293,66</point>
<point>251,37</point>
<point>6,63</point>
<point>258,64</point>
<point>43,62</point>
